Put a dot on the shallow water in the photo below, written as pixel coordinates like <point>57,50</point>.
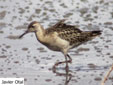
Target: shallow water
<point>29,59</point>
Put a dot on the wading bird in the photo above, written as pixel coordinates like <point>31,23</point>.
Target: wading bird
<point>61,37</point>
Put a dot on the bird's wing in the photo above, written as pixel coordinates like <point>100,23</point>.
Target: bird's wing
<point>77,38</point>
<point>61,27</point>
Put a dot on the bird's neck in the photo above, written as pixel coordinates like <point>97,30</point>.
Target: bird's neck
<point>40,34</point>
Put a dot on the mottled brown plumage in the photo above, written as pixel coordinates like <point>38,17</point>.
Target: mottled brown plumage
<point>71,33</point>
<point>61,37</point>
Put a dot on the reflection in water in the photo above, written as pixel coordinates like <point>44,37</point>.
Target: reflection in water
<point>67,75</point>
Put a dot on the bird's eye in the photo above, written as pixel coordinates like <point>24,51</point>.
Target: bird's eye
<point>32,26</point>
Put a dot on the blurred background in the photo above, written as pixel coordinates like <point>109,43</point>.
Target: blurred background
<point>28,58</point>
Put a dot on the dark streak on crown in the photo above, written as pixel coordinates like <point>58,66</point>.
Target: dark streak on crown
<point>34,22</point>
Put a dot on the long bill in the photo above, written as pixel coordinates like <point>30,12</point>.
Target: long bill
<point>23,34</point>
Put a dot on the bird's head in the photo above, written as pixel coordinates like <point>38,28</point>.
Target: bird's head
<point>32,27</point>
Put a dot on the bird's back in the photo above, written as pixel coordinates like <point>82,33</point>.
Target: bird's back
<point>62,28</point>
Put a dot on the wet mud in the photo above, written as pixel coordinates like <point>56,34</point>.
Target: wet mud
<point>28,58</point>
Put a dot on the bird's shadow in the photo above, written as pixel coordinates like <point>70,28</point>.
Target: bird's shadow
<point>66,74</point>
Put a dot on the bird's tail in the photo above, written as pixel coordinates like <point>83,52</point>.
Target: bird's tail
<point>96,33</point>
<point>91,34</point>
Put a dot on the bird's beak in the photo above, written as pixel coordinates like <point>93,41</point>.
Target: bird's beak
<point>23,34</point>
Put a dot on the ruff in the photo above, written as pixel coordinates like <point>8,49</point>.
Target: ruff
<point>61,37</point>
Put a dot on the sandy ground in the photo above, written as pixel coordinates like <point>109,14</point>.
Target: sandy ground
<point>29,59</point>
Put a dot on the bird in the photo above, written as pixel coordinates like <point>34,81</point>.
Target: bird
<point>61,37</point>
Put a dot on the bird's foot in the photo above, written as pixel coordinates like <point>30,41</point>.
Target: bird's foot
<point>56,64</point>
<point>69,61</point>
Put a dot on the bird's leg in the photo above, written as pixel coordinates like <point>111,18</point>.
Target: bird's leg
<point>70,59</point>
<point>60,63</point>
<point>66,62</point>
